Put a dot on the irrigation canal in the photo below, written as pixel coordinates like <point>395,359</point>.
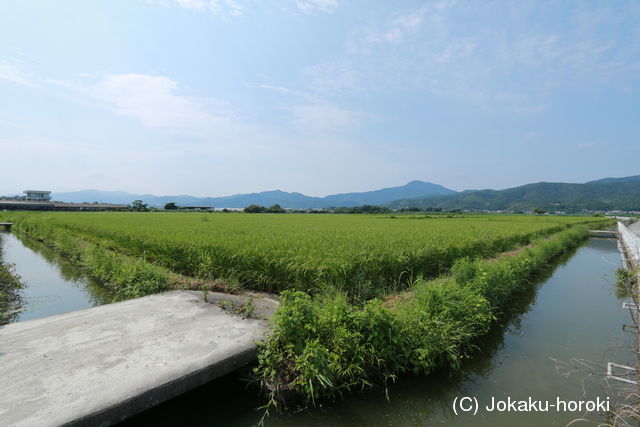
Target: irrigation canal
<point>54,285</point>
<point>555,342</point>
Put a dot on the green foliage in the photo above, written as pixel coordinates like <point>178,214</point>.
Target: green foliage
<point>364,256</point>
<point>324,345</point>
<point>255,209</point>
<point>10,285</point>
<point>130,277</point>
<point>623,194</point>
<point>138,206</point>
<point>364,209</point>
<point>171,206</point>
<point>261,209</point>
<point>247,308</point>
<point>626,282</point>
<point>340,333</point>
<point>276,209</point>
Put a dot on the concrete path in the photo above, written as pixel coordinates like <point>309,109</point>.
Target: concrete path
<point>101,365</point>
<point>635,227</point>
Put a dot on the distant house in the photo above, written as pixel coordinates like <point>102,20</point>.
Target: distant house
<point>37,195</point>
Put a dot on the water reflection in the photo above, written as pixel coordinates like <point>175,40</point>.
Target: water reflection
<point>53,284</point>
<point>570,313</point>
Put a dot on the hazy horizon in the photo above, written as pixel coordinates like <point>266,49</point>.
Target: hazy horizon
<point>11,193</point>
<point>214,98</point>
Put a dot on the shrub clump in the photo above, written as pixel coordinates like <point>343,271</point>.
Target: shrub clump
<point>10,285</point>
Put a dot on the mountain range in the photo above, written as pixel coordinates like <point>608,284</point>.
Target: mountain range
<point>603,194</point>
<point>413,189</point>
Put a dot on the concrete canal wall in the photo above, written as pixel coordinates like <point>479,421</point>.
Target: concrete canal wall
<point>631,243</point>
<point>101,365</point>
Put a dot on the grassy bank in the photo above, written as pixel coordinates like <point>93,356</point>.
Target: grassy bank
<point>324,346</point>
<point>128,277</point>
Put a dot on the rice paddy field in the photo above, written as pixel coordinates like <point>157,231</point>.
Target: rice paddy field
<point>364,298</point>
<point>362,255</point>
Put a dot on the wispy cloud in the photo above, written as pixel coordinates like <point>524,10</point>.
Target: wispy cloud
<point>312,6</point>
<point>15,74</point>
<point>219,7</point>
<point>460,50</point>
<point>238,7</point>
<point>311,112</point>
<point>153,100</point>
<point>399,27</point>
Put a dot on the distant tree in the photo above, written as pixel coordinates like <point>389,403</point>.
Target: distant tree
<point>225,210</point>
<point>255,209</point>
<point>171,206</point>
<point>539,211</point>
<point>366,209</point>
<point>137,205</point>
<point>276,209</point>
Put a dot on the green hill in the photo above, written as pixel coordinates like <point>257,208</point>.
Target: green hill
<point>607,194</point>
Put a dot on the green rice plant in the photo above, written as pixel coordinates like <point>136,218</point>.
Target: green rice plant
<point>130,277</point>
<point>336,329</point>
<point>323,346</point>
<point>364,256</point>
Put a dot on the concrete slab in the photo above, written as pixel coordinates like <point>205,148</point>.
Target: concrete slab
<point>101,365</point>
<point>635,227</point>
<point>603,233</point>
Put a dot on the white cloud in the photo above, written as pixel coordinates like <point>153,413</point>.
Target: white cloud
<point>311,6</point>
<point>236,7</point>
<point>219,7</point>
<point>400,27</point>
<point>12,73</point>
<point>153,101</point>
<point>460,50</point>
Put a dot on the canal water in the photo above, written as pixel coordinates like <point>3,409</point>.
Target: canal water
<point>553,343</point>
<point>53,284</point>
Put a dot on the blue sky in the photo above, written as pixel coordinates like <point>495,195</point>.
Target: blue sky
<point>316,96</point>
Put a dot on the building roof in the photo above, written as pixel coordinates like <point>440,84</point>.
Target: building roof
<point>36,191</point>
<point>61,204</point>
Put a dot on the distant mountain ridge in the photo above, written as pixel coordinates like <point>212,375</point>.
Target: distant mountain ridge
<point>266,198</point>
<point>604,194</point>
<point>610,180</point>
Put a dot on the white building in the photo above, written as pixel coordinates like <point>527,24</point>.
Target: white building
<point>37,195</point>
